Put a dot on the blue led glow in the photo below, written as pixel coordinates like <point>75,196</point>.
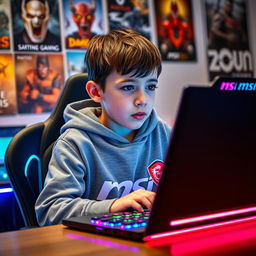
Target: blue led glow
<point>5,190</point>
<point>32,157</point>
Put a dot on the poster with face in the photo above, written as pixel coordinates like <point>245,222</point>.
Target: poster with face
<point>36,26</point>
<point>133,14</point>
<point>228,43</point>
<point>8,105</point>
<point>175,30</point>
<point>82,20</point>
<point>40,78</point>
<point>4,25</point>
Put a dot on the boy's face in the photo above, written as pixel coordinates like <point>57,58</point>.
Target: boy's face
<point>127,101</point>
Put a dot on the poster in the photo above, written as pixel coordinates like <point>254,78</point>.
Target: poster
<point>39,80</point>
<point>36,26</point>
<point>8,104</point>
<point>228,48</point>
<point>4,25</point>
<point>82,20</point>
<point>133,14</point>
<point>175,30</point>
<point>75,63</point>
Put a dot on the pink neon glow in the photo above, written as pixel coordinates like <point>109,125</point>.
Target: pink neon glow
<point>220,224</point>
<point>104,242</point>
<point>212,216</point>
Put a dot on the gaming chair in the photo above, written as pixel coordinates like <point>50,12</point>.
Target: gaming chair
<point>29,152</point>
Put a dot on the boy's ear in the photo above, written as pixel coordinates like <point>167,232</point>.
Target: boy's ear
<point>94,91</point>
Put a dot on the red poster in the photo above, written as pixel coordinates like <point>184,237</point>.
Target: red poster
<point>175,30</point>
<point>82,20</point>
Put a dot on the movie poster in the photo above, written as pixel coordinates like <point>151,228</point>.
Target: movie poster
<point>36,26</point>
<point>175,30</point>
<point>82,20</point>
<point>75,63</point>
<point>39,80</point>
<point>8,105</point>
<point>132,14</point>
<point>228,43</point>
<point>4,25</point>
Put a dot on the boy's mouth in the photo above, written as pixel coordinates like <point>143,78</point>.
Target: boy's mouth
<point>139,115</point>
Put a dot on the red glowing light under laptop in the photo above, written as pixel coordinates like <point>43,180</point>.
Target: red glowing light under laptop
<point>212,216</point>
<point>197,219</point>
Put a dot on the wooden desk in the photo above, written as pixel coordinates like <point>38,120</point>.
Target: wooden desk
<point>58,241</point>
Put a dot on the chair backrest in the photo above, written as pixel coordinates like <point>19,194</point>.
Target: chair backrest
<point>29,152</point>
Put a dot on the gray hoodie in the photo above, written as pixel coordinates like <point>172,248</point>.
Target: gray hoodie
<point>91,165</point>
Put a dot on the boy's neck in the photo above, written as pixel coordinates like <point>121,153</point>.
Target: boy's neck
<point>120,130</point>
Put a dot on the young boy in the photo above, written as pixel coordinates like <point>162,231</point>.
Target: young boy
<point>109,158</point>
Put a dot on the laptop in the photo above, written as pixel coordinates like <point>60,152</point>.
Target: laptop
<point>6,135</point>
<point>209,178</point>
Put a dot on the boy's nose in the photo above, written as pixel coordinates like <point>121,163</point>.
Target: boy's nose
<point>141,99</point>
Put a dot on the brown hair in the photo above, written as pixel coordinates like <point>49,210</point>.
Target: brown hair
<point>125,51</point>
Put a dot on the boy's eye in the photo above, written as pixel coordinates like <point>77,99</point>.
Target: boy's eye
<point>127,87</point>
<point>152,87</point>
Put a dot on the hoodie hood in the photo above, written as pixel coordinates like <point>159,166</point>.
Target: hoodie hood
<point>80,115</point>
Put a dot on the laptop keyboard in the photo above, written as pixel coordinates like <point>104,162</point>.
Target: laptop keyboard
<point>123,220</point>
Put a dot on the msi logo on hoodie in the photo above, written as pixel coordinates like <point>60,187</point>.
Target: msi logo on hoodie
<point>127,186</point>
<point>155,170</point>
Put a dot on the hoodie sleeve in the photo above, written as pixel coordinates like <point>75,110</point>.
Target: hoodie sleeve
<point>64,188</point>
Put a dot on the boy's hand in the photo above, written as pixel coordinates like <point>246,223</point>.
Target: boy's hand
<point>138,200</point>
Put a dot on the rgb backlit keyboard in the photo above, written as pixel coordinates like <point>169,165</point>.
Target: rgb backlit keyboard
<point>123,220</point>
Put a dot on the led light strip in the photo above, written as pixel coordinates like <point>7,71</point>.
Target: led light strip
<point>26,170</point>
<point>211,216</point>
<point>5,190</point>
<point>220,224</point>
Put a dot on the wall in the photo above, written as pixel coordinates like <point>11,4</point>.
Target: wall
<point>177,75</point>
<point>174,75</point>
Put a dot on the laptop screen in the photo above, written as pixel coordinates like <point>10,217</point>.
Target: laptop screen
<point>6,135</point>
<point>210,166</point>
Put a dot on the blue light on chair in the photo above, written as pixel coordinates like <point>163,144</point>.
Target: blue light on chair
<point>31,158</point>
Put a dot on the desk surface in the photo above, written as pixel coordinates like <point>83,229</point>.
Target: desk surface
<point>59,240</point>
